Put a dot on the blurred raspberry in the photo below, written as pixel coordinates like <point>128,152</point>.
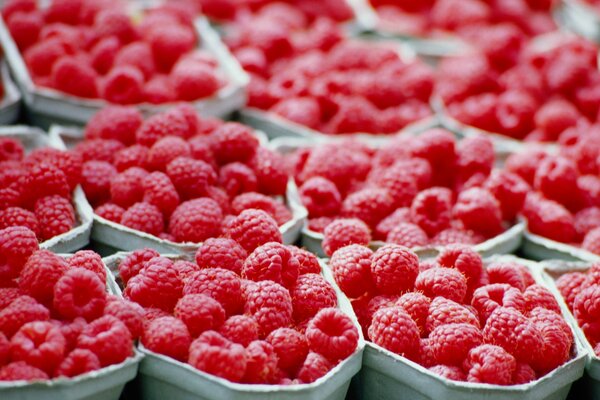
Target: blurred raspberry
<point>320,197</point>
<point>160,192</point>
<point>510,190</point>
<point>480,211</point>
<point>431,210</point>
<point>196,220</point>
<point>19,370</point>
<point>368,205</point>
<point>549,219</point>
<point>17,216</point>
<point>144,217</point>
<point>71,76</point>
<point>344,232</point>
<point>408,235</point>
<point>586,309</point>
<point>166,150</point>
<point>591,241</point>
<point>55,215</point>
<point>114,122</point>
<point>570,285</point>
<point>237,178</point>
<point>96,177</point>
<point>270,170</point>
<point>132,156</point>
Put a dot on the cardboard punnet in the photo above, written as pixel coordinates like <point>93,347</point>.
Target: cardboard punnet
<point>589,387</point>
<point>79,236</point>
<point>540,248</point>
<point>47,106</point>
<point>10,105</point>
<point>581,18</point>
<point>162,377</point>
<point>387,376</point>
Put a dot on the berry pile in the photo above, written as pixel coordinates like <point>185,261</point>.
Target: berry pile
<point>464,17</point>
<point>36,188</point>
<point>56,319</point>
<point>309,73</point>
<point>247,312</point>
<point>178,176</point>
<point>451,315</point>
<point>93,49</point>
<point>581,292</point>
<point>565,206</point>
<point>528,92</point>
<point>416,191</point>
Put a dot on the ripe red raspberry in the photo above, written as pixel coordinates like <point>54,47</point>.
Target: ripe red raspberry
<point>254,200</point>
<point>261,364</point>
<point>291,347</point>
<point>17,216</point>
<point>191,177</point>
<point>591,241</point>
<point>408,235</point>
<point>539,296</point>
<point>126,188</point>
<point>233,142</point>
<point>351,267</point>
<point>134,262</point>
<point>99,149</point>
<point>435,146</point>
<point>555,177</point>
<point>221,284</point>
<point>237,178</point>
<point>55,215</point>
<point>71,76</point>
<point>400,216</point>
<point>509,329</point>
<point>19,370</point>
<point>221,253</point>
<point>315,366</point>
<point>586,309</point>
<point>196,220</point>
<point>506,272</point>
<point>70,163</point>
<point>132,156</point>
<point>570,285</point>
<point>489,297</point>
<point>11,149</point>
<point>78,362</point>
<point>200,313</point>
<point>138,55</point>
<point>96,177</point>
<point>192,81</point>
<point>558,340</point>
<point>525,163</point>
<point>332,334</point>
<point>344,232</point>
<point>161,125</point>
<point>7,295</point>
<point>168,336</point>
<point>108,338</point>
<point>271,306</point>
<point>400,187</point>
<point>123,85</point>
<point>166,150</point>
<point>103,53</point>
<point>475,154</point>
<point>445,282</point>
<point>214,354</point>
<point>157,285</point>
<point>131,314</point>
<point>253,228</point>
<point>478,210</point>
<point>464,259</point>
<point>308,263</point>
<point>310,294</point>
<point>115,122</point>
<point>13,6</point>
<point>39,344</point>
<point>240,329</point>
<point>586,220</point>
<point>20,311</point>
<point>449,372</point>
<point>25,28</point>
<point>490,364</point>
<point>79,293</point>
<point>160,191</point>
<point>523,374</point>
<point>39,275</point>
<point>271,261</point>
<point>320,197</point>
<point>271,171</point>
<point>417,306</point>
<point>510,190</point>
<point>144,217</point>
<point>394,330</point>
<point>71,331</point>
<point>443,311</point>
<point>110,211</point>
<point>452,342</point>
<point>44,179</point>
<point>431,209</point>
<point>169,43</point>
<point>9,198</point>
<point>394,269</point>
<point>368,205</point>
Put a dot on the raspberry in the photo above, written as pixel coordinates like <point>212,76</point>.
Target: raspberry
<point>445,282</point>
<point>478,210</point>
<point>555,177</point>
<point>169,43</point>
<point>20,311</point>
<point>254,200</point>
<point>431,210</point>
<point>159,90</point>
<point>261,364</point>
<point>271,261</point>
<point>126,188</point>
<point>408,235</point>
<point>11,150</point>
<point>489,297</point>
<point>271,306</point>
<point>19,370</point>
<point>99,149</point>
<point>351,267</point>
<point>70,163</point>
<point>490,364</point>
<point>320,197</point>
<point>586,310</point>
<point>587,220</point>
<point>55,215</point>
<point>506,272</point>
<point>7,295</point>
<point>233,142</point>
<point>13,6</point>
<point>464,259</point>
<point>191,177</point>
<point>79,293</point>
<point>168,336</point>
<point>221,253</point>
<point>523,374</point>
<point>332,334</point>
<point>510,190</point>
<point>78,362</point>
<point>220,284</point>
<point>9,198</point>
<point>85,77</point>
<point>196,220</point>
<point>452,342</point>
<point>39,344</point>
<point>291,347</point>
<point>39,275</point>
<point>453,236</point>
<point>25,28</point>
<point>344,232</point>
<point>393,329</point>
<point>448,372</point>
<point>508,328</point>
<point>144,217</point>
<point>557,336</point>
<point>132,156</point>
<point>310,294</point>
<point>138,55</point>
<point>400,216</point>
<point>308,263</point>
<point>271,171</point>
<point>134,262</point>
<point>193,80</point>
<point>475,155</point>
<point>103,54</point>
<point>44,179</point>
<point>214,354</point>
<point>200,313</point>
<point>108,338</point>
<point>17,216</point>
<point>539,296</point>
<point>394,269</point>
<point>131,314</point>
<point>166,150</point>
<point>240,329</point>
<point>161,125</point>
<point>157,285</point>
<point>253,228</point>
<point>443,311</point>
<point>416,305</point>
<point>591,241</point>
<point>71,331</point>
<point>368,205</point>
<point>435,146</point>
<point>160,192</point>
<point>318,225</point>
<point>115,122</point>
<point>96,177</point>
<point>570,285</point>
<point>237,178</point>
<point>123,85</point>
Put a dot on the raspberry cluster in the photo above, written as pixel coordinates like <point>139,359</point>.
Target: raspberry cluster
<point>56,319</point>
<point>306,71</point>
<point>581,292</point>
<point>180,177</point>
<point>92,49</point>
<point>521,89</point>
<point>36,188</point>
<point>454,316</point>
<point>465,18</point>
<point>565,203</point>
<point>416,191</point>
<point>261,315</point>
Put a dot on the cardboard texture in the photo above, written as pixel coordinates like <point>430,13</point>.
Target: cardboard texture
<point>11,103</point>
<point>540,248</point>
